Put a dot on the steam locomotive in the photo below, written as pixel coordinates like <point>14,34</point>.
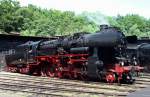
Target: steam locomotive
<point>100,56</point>
<point>140,54</point>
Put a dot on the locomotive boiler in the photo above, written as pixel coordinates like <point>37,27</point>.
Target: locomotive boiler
<point>99,55</point>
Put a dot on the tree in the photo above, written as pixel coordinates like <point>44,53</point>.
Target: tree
<point>35,21</point>
<point>131,24</point>
<point>54,22</point>
<point>9,20</point>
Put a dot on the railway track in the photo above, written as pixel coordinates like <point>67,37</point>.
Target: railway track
<point>95,85</point>
<point>63,87</point>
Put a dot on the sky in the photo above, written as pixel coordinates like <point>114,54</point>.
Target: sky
<point>106,7</point>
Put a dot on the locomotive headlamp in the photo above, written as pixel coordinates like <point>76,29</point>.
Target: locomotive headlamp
<point>20,59</point>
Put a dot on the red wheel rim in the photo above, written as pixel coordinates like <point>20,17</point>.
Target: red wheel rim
<point>59,74</point>
<point>110,78</point>
<point>51,74</point>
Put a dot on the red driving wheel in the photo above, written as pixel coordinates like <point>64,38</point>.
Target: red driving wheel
<point>110,78</point>
<point>59,72</point>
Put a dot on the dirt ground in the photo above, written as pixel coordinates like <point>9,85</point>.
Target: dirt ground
<point>6,93</point>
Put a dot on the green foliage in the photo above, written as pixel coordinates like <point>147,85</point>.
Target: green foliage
<point>131,24</point>
<point>33,21</point>
<point>9,20</point>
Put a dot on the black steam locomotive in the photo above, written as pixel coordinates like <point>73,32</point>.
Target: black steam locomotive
<point>139,53</point>
<point>101,55</point>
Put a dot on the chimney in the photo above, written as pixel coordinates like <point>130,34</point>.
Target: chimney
<point>102,27</point>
